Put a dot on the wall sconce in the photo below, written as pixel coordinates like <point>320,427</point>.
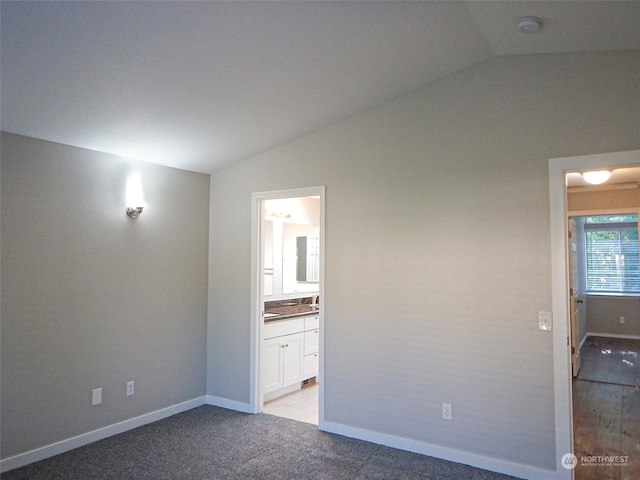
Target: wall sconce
<point>134,212</point>
<point>135,198</point>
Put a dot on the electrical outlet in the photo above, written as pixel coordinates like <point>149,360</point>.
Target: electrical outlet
<point>130,388</point>
<point>446,411</point>
<point>96,396</point>
<point>621,319</point>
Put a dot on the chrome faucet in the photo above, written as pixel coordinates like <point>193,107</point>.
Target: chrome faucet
<point>314,299</point>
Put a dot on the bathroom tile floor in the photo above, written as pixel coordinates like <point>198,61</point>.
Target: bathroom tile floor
<point>301,405</point>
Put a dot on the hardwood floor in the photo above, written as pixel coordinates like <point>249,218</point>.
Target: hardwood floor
<point>606,410</point>
<point>610,360</point>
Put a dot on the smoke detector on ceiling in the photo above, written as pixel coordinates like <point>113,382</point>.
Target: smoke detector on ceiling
<point>529,24</point>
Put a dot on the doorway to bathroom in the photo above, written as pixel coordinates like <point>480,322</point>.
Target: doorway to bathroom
<point>288,303</point>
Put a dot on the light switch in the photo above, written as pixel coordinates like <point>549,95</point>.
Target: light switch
<point>544,320</point>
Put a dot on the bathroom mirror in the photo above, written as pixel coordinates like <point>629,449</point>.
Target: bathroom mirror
<point>296,258</point>
<point>287,222</point>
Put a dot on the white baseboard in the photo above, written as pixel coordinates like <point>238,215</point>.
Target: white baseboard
<point>584,339</point>
<point>444,453</point>
<point>487,463</point>
<point>62,446</point>
<point>230,404</point>
<point>613,335</point>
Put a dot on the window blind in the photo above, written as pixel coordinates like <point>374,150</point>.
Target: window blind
<point>612,258</point>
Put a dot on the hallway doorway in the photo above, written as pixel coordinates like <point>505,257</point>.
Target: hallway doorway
<point>603,274</point>
<point>558,168</point>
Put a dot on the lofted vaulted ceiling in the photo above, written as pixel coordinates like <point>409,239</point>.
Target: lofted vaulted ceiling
<point>199,85</point>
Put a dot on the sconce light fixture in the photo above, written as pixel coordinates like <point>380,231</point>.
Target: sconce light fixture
<point>135,198</point>
<point>134,212</point>
<point>597,177</point>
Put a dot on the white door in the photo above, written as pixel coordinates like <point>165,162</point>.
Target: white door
<point>573,300</point>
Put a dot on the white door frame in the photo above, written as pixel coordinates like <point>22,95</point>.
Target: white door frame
<point>558,167</point>
<point>257,297</point>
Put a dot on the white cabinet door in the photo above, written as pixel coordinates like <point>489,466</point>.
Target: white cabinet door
<point>272,365</point>
<point>311,347</point>
<point>311,341</point>
<point>282,362</point>
<point>280,328</point>
<point>311,366</point>
<point>311,323</point>
<point>292,361</point>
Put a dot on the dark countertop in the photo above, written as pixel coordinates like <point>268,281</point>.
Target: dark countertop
<point>281,313</point>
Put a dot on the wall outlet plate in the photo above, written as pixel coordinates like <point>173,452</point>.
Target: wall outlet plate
<point>446,411</point>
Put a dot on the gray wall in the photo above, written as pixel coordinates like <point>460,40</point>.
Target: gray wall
<point>437,249</point>
<point>603,315</point>
<point>91,298</point>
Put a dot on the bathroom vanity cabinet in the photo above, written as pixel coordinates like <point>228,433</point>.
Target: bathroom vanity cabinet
<point>290,354</point>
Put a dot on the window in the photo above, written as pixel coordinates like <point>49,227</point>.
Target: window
<point>612,254</point>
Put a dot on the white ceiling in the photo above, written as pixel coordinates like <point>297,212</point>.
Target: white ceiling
<point>198,85</point>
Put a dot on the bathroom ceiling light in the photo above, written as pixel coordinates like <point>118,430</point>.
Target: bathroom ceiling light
<point>529,24</point>
<point>597,177</point>
<point>268,213</point>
